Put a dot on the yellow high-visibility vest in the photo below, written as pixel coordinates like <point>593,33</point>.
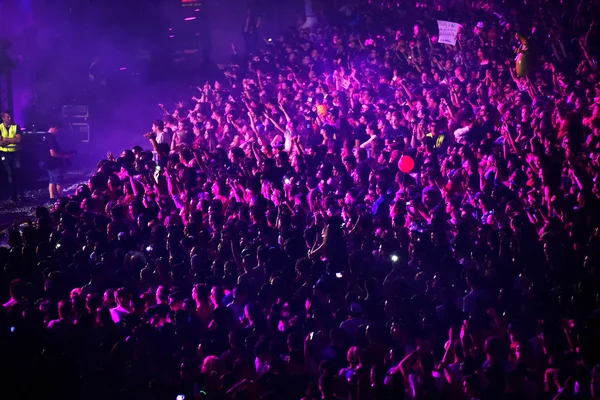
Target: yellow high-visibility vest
<point>9,133</point>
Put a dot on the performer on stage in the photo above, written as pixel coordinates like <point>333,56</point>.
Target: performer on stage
<point>10,154</point>
<point>55,161</point>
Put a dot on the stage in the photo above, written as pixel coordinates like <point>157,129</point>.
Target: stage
<point>35,195</point>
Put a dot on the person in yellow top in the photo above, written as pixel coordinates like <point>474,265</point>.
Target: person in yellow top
<point>439,137</point>
<point>10,154</point>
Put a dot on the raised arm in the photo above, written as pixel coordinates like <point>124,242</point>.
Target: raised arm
<point>285,113</point>
<point>275,123</point>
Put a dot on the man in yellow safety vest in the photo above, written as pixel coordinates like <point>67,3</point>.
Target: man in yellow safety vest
<point>10,154</point>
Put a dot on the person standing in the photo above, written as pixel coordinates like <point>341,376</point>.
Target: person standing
<point>159,137</point>
<point>162,136</point>
<point>10,154</point>
<point>54,162</point>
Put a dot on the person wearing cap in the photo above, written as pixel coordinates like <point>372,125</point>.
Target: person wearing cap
<point>478,29</point>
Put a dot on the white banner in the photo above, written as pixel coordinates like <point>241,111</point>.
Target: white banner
<point>448,32</point>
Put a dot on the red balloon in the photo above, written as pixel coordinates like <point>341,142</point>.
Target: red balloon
<point>406,164</point>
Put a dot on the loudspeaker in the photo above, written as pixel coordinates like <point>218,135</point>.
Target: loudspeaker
<point>34,154</point>
<point>75,118</point>
<point>80,131</point>
<point>75,111</point>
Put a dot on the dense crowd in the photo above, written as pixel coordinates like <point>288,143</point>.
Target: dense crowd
<point>274,240</point>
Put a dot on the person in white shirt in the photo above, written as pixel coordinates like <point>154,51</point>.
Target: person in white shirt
<point>162,136</point>
<point>460,134</point>
<point>373,133</point>
<point>159,136</point>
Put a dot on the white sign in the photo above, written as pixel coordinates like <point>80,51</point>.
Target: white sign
<point>448,32</point>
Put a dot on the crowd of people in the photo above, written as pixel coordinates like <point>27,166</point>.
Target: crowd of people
<point>354,211</point>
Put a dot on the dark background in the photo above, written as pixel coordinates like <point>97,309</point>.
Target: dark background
<point>120,58</point>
